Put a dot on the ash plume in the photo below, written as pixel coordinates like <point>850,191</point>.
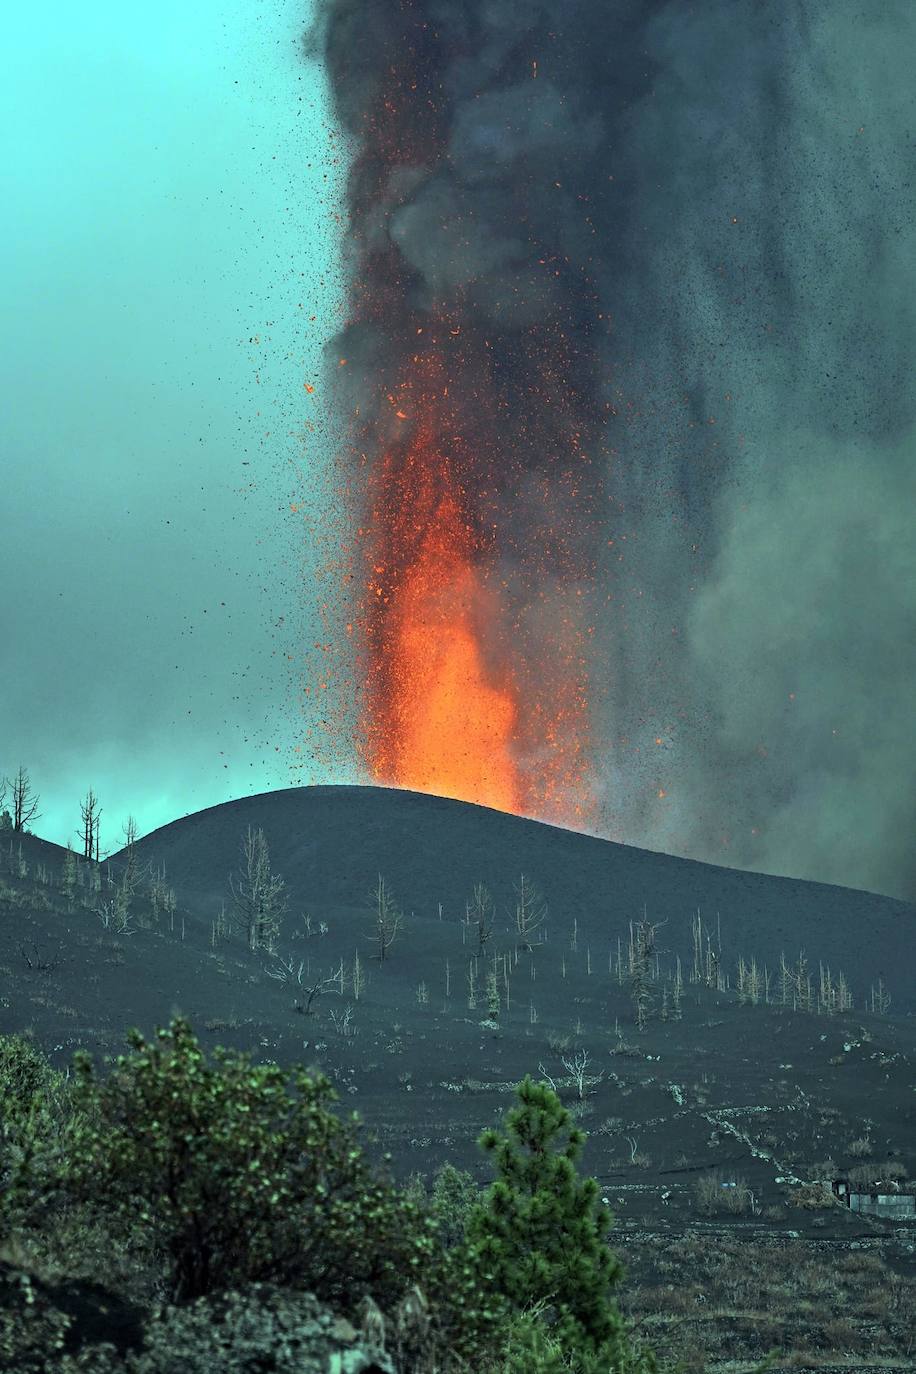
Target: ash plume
<point>666,253</point>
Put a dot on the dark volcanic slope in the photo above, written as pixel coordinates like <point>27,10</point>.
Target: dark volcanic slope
<point>775,1099</point>
<point>330,844</point>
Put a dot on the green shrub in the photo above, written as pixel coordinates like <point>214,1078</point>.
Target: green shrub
<point>454,1199</point>
<point>213,1177</point>
<point>35,1104</point>
<point>533,1348</point>
<point>539,1236</point>
<point>230,1178</point>
<point>218,1177</point>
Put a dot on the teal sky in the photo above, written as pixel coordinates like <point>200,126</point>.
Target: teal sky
<point>169,231</point>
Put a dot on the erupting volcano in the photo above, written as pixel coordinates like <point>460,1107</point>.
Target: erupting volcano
<point>625,373</point>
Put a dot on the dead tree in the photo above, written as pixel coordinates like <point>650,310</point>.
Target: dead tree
<point>482,913</point>
<point>132,875</point>
<point>314,990</point>
<point>89,814</point>
<point>258,898</point>
<point>25,805</point>
<point>68,877</point>
<point>288,973</point>
<point>130,839</point>
<point>642,950</point>
<point>528,917</point>
<point>388,920</point>
<point>577,1068</point>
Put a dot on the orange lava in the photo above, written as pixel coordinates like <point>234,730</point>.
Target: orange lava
<point>435,720</point>
<point>451,728</point>
<point>458,701</point>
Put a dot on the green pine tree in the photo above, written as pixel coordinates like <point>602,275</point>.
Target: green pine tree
<point>539,1235</point>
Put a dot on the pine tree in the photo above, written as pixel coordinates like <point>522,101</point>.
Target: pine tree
<point>539,1235</point>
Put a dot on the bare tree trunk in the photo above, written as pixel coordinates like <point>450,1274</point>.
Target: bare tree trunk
<point>89,814</point>
<point>25,805</point>
<point>527,918</point>
<point>388,920</point>
<point>258,899</point>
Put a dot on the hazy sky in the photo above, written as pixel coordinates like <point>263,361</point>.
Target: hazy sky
<point>168,232</point>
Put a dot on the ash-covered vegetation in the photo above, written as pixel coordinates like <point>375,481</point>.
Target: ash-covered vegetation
<point>724,1075</point>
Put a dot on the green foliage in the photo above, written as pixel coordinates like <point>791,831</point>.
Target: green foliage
<point>232,1180</point>
<point>454,1199</point>
<point>25,1077</point>
<point>532,1348</point>
<point>539,1236</point>
<point>36,1111</point>
<point>210,1178</point>
<point>34,1105</point>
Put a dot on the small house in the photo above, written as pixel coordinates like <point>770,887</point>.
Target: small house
<point>871,1202</point>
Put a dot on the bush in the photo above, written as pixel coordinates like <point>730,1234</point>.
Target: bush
<point>37,1104</point>
<point>532,1348</point>
<point>221,1180</point>
<point>717,1192</point>
<point>812,1196</point>
<point>862,1174</point>
<point>893,1169</point>
<point>454,1199</point>
<point>210,1178</point>
<point>230,1179</point>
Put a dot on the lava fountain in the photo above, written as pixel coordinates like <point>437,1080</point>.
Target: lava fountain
<point>436,718</point>
<point>470,417</point>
